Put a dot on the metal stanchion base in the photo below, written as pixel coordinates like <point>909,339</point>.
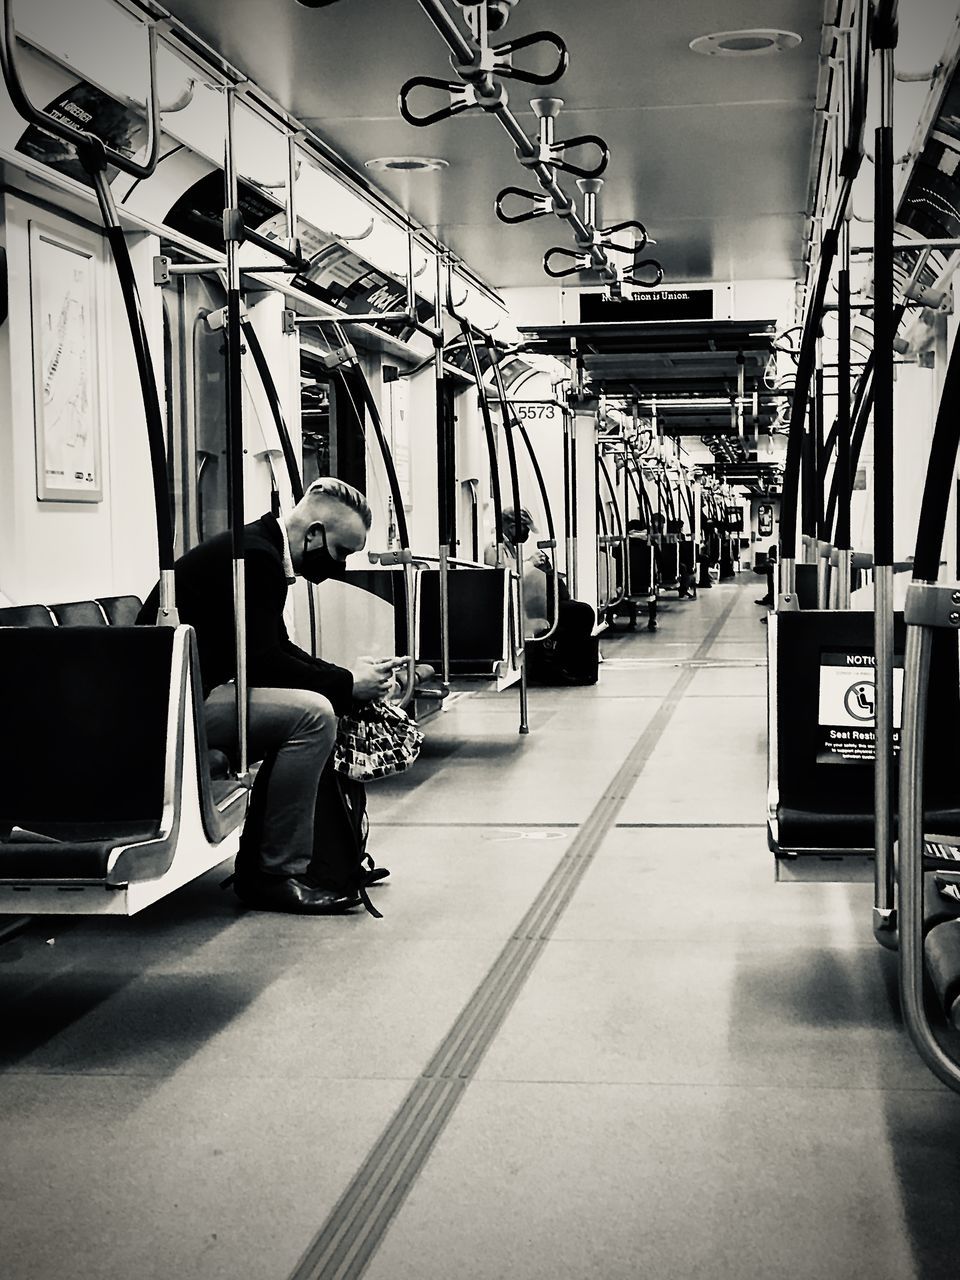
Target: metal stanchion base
<point>885,927</point>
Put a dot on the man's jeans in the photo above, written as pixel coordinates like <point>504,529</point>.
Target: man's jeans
<point>292,731</point>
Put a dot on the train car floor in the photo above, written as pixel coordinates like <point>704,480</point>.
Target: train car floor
<point>590,1039</point>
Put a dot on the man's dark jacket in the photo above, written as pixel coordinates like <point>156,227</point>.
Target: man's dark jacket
<point>204,578</point>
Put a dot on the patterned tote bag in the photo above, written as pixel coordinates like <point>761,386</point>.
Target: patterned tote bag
<point>376,740</point>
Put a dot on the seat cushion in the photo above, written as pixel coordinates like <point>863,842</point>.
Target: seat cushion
<point>78,854</point>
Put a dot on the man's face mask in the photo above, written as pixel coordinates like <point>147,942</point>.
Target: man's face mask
<point>318,564</point>
<point>514,533</point>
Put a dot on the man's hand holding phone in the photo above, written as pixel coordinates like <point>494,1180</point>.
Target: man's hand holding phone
<point>373,678</point>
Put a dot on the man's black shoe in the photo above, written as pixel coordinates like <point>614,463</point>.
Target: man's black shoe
<point>370,872</point>
<point>765,601</point>
<point>274,893</point>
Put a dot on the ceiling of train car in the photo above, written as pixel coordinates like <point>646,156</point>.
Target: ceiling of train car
<point>690,371</point>
<point>711,153</point>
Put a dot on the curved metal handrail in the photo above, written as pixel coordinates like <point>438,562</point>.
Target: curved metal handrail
<point>916,684</point>
<point>294,477</point>
<point>255,347</point>
<point>521,627</point>
<point>410,671</point>
<point>551,531</point>
<point>620,535</point>
<point>466,330</point>
<point>929,605</point>
<point>81,138</point>
<point>798,410</point>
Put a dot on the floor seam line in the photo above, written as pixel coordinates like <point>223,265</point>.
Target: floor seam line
<point>336,1253</point>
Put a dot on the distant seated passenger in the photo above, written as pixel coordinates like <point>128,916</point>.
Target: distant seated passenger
<point>687,580</point>
<point>570,655</point>
<point>536,565</point>
<point>706,563</point>
<point>770,568</point>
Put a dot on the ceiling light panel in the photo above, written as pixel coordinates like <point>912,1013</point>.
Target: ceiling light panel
<point>751,43</point>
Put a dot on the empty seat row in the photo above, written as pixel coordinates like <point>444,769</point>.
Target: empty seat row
<point>116,611</point>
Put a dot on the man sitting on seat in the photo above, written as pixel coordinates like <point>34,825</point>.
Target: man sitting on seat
<point>294,852</point>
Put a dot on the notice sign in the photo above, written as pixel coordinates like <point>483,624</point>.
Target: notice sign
<point>848,691</point>
<point>654,304</point>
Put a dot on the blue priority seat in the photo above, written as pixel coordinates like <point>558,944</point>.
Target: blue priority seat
<point>820,790</point>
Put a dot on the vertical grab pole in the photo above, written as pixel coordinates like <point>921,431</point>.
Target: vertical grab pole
<point>601,527</point>
<point>808,481</point>
<point>571,474</point>
<point>551,527</point>
<point>619,522</point>
<point>798,411</point>
<point>446,518</point>
<point>654,531</point>
<point>884,911</point>
<point>819,479</point>
<point>369,404</point>
<point>843,428</point>
<point>232,235</point>
<point>697,499</point>
<point>292,193</point>
<point>515,494</point>
<point>570,485</point>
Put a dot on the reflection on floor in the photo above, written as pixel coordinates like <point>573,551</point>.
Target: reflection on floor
<point>679,1069</point>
